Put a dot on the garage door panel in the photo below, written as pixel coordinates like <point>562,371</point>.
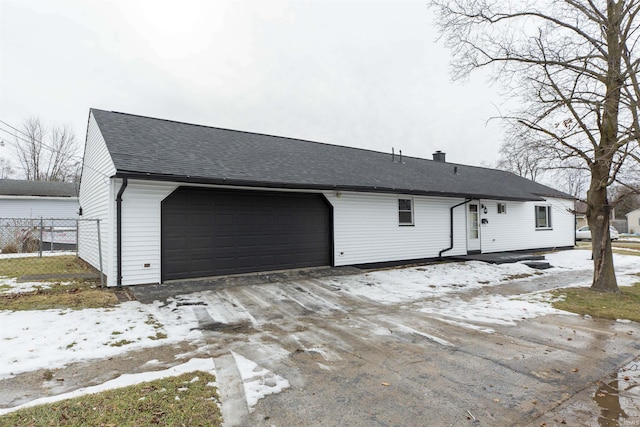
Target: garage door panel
<point>213,232</point>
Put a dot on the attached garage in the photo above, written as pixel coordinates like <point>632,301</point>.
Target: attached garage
<point>211,232</point>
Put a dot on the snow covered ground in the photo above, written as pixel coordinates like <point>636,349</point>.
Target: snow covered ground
<point>51,339</point>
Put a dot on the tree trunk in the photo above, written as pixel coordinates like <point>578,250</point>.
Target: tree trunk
<point>598,209</point>
<point>604,277</point>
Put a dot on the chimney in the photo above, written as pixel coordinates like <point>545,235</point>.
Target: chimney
<point>439,156</point>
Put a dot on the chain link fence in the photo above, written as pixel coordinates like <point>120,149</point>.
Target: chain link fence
<point>50,239</point>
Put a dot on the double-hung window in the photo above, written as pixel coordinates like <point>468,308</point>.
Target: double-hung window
<point>405,211</point>
<point>543,217</point>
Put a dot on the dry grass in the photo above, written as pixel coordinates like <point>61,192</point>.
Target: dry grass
<point>186,400</point>
<point>77,295</point>
<point>625,305</point>
<point>66,264</point>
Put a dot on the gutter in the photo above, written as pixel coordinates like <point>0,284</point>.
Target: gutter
<point>451,226</point>
<point>125,182</point>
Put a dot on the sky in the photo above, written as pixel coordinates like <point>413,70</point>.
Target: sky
<point>367,74</point>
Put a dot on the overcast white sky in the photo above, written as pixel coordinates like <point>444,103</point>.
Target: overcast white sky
<point>367,74</point>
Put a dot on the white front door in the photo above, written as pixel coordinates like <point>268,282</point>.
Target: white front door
<point>473,227</point>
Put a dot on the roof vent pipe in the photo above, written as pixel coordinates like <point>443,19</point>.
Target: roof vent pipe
<point>439,156</point>
<point>400,156</point>
<point>393,155</point>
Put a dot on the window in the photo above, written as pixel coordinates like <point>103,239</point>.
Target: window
<point>405,211</point>
<point>543,217</point>
<point>502,208</point>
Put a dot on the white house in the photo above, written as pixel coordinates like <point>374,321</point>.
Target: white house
<point>24,203</point>
<point>180,201</point>
<point>35,199</point>
<point>633,221</point>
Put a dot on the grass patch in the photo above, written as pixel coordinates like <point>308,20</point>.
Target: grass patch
<point>121,343</point>
<point>626,245</point>
<point>623,252</point>
<point>157,336</point>
<point>186,400</point>
<point>622,248</point>
<point>625,305</point>
<point>65,264</point>
<point>77,296</point>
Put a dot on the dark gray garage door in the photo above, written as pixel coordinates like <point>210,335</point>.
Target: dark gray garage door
<point>215,232</point>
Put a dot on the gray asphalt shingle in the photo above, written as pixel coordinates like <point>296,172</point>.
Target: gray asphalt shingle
<point>162,149</point>
<point>17,187</point>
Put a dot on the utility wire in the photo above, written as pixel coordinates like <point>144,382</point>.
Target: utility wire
<point>75,157</point>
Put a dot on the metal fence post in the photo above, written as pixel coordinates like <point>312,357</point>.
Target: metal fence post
<point>77,238</point>
<point>41,226</point>
<point>100,253</point>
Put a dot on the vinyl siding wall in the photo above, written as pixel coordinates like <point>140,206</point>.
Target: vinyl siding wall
<point>141,231</point>
<point>95,197</point>
<point>633,221</point>
<point>516,230</point>
<point>366,228</point>
<point>36,207</point>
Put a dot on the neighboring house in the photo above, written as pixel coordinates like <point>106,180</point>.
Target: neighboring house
<point>633,221</point>
<point>35,199</point>
<point>581,218</point>
<point>180,201</point>
<point>581,214</point>
<point>23,202</point>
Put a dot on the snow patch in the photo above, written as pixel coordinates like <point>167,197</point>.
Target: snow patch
<point>33,340</point>
<point>257,381</point>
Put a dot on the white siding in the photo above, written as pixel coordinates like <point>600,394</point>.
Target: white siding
<point>516,230</point>
<point>633,221</point>
<point>95,189</point>
<point>36,207</point>
<point>141,231</point>
<point>366,228</point>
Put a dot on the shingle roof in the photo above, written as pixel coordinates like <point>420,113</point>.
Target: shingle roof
<point>152,148</point>
<point>16,187</point>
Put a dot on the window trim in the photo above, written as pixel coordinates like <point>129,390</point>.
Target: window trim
<point>502,211</point>
<point>547,209</point>
<point>401,211</point>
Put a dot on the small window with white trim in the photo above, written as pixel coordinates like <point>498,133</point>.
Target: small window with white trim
<point>543,217</point>
<point>502,208</point>
<point>405,211</point>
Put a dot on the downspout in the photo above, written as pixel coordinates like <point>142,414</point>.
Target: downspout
<point>119,229</point>
<point>451,226</point>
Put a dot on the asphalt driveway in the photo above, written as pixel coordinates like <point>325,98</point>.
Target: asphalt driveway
<point>360,360</point>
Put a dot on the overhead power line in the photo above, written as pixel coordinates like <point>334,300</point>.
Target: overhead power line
<point>75,157</point>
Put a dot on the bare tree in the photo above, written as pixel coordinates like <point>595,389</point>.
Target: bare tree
<point>574,66</point>
<point>572,178</point>
<point>6,170</point>
<point>46,154</point>
<point>521,155</point>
